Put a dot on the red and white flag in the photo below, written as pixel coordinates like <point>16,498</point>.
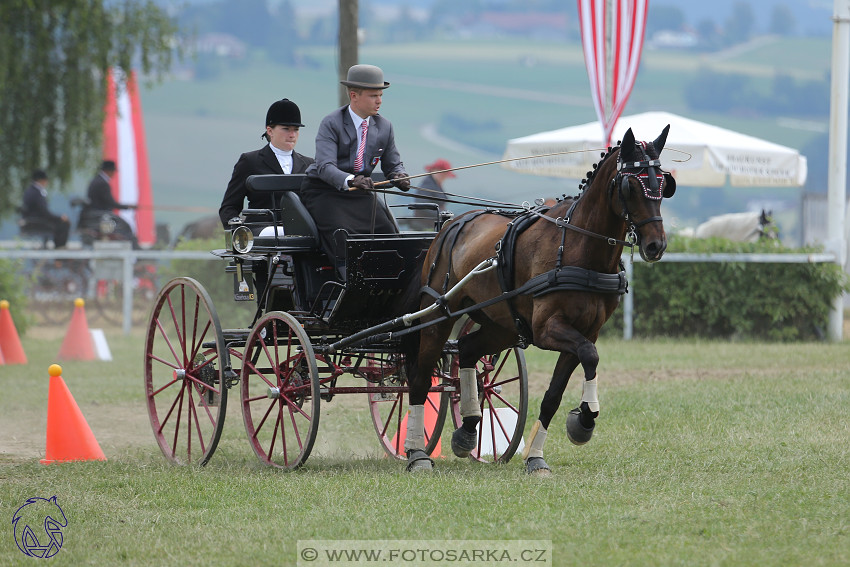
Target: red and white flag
<point>124,142</point>
<point>612,37</point>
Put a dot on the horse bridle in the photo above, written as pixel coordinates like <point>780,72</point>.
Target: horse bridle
<point>649,176</point>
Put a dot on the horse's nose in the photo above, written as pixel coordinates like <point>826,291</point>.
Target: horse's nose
<point>654,250</point>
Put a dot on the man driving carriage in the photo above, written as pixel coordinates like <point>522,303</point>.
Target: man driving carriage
<point>349,144</point>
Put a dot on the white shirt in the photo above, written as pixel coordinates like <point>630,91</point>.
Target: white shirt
<point>284,157</point>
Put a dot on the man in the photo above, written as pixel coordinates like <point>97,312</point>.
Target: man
<point>430,189</point>
<point>283,123</point>
<point>36,214</point>
<point>100,203</point>
<point>349,144</point>
<point>100,189</point>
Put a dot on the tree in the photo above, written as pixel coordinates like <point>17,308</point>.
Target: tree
<point>782,20</point>
<point>739,26</point>
<point>54,56</point>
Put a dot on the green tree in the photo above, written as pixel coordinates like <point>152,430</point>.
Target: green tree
<point>54,56</point>
<point>782,20</point>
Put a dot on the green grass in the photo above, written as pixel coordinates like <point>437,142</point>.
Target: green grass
<point>706,453</point>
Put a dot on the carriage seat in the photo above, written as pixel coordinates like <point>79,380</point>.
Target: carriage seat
<point>34,227</point>
<point>293,228</point>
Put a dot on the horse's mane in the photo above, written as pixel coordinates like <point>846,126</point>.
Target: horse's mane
<point>566,200</point>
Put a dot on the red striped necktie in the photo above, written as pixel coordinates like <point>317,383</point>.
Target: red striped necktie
<point>358,161</point>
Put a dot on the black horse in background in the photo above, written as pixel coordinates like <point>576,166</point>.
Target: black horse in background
<point>564,264</point>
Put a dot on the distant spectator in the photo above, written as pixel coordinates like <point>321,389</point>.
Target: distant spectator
<point>430,190</point>
<point>36,216</point>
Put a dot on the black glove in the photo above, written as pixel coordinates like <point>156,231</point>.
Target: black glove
<point>400,180</point>
<point>362,182</point>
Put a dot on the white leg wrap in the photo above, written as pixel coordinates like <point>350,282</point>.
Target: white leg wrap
<point>534,447</point>
<point>469,406</point>
<point>588,394</point>
<point>415,428</point>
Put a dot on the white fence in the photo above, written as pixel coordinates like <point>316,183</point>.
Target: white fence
<point>129,257</point>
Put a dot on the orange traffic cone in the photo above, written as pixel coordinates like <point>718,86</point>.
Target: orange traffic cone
<point>69,437</point>
<point>10,342</point>
<point>78,344</point>
<point>2,360</point>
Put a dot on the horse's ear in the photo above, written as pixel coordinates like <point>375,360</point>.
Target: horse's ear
<point>661,140</point>
<point>627,147</point>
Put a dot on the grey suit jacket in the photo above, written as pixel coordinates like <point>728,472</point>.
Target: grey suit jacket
<point>336,148</point>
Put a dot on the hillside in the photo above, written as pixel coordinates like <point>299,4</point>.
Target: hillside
<point>460,101</point>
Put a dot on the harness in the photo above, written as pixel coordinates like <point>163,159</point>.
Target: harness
<point>650,177</point>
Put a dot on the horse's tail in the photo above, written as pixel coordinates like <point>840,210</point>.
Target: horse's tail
<point>409,303</point>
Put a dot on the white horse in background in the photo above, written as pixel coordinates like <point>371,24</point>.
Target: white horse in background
<point>739,227</point>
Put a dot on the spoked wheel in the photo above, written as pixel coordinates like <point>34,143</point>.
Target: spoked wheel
<point>55,286</point>
<point>280,391</point>
<point>389,409</point>
<point>109,301</point>
<point>184,370</point>
<point>503,396</point>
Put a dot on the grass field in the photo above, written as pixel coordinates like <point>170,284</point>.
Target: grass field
<point>706,453</point>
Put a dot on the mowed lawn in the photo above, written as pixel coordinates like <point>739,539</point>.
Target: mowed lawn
<point>706,453</point>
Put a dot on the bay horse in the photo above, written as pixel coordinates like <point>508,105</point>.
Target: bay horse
<point>580,238</point>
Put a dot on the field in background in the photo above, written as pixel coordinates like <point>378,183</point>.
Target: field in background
<point>706,452</point>
<point>461,101</point>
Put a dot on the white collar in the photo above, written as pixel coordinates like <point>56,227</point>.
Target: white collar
<point>356,119</point>
<point>279,151</point>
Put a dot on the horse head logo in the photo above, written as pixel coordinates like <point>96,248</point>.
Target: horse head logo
<point>38,527</point>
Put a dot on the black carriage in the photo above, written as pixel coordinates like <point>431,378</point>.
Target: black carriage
<point>319,331</point>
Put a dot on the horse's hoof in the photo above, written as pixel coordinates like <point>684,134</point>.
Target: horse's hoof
<point>536,466</point>
<point>418,460</point>
<point>578,434</point>
<point>463,442</point>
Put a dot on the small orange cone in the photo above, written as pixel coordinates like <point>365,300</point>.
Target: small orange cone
<point>10,342</point>
<point>69,437</point>
<point>78,344</point>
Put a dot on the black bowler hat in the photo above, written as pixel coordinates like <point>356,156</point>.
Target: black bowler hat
<point>284,112</point>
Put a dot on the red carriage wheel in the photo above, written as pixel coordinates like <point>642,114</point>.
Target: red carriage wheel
<point>389,409</point>
<point>184,368</point>
<point>280,391</point>
<point>503,395</point>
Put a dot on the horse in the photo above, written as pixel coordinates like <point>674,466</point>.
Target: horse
<point>739,227</point>
<point>580,238</point>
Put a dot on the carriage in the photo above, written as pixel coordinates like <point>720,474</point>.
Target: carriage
<point>556,277</point>
<point>319,331</point>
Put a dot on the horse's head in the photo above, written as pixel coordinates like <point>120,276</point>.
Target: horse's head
<point>767,229</point>
<point>635,192</point>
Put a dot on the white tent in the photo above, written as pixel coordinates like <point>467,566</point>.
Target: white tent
<point>716,155</point>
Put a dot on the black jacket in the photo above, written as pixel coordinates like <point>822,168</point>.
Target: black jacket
<point>258,162</point>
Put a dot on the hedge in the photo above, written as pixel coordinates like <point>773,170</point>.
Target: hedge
<point>776,302</point>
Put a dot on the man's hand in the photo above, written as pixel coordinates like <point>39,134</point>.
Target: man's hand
<point>362,182</point>
<point>400,180</point>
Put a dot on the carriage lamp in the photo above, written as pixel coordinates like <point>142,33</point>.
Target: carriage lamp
<point>243,239</point>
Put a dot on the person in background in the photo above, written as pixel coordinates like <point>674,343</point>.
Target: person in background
<point>100,190</point>
<point>283,124</point>
<point>430,190</point>
<point>36,215</point>
<point>349,144</point>
<point>101,204</point>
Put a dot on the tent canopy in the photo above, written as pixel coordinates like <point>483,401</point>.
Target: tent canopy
<point>717,155</point>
